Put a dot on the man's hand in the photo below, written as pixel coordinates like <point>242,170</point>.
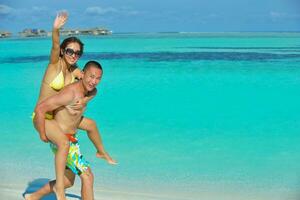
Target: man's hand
<point>78,104</point>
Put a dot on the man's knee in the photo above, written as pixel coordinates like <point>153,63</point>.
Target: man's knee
<point>87,177</point>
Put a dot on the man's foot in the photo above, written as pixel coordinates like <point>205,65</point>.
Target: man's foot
<point>106,157</point>
<point>60,195</point>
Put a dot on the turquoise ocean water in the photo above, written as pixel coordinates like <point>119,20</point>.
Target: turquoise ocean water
<point>187,115</point>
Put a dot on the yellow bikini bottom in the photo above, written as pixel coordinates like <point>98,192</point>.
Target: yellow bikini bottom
<point>48,116</point>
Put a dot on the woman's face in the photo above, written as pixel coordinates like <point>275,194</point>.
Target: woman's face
<point>72,53</point>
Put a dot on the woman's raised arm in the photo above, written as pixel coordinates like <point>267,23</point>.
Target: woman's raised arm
<point>59,21</point>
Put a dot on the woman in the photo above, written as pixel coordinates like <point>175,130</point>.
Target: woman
<point>60,72</point>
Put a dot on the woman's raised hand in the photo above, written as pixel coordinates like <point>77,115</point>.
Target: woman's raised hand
<point>60,20</point>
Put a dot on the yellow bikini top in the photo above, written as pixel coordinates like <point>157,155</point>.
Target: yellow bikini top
<point>59,81</point>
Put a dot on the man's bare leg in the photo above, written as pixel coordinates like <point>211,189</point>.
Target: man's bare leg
<point>48,187</point>
<point>87,185</point>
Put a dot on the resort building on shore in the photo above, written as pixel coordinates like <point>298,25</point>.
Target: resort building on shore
<point>4,34</point>
<point>92,31</point>
<point>33,33</point>
<point>96,31</point>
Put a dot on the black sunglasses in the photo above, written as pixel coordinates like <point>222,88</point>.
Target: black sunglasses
<point>71,52</point>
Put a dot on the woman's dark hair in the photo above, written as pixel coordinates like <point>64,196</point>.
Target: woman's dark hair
<point>69,40</point>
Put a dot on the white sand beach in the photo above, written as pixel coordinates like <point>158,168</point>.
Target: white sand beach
<point>15,193</point>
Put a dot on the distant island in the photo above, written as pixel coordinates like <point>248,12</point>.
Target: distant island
<point>4,34</point>
<point>30,32</point>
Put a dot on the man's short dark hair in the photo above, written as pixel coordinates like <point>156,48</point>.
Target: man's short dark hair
<point>92,63</point>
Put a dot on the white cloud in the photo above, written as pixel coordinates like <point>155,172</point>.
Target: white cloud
<point>276,16</point>
<point>133,12</point>
<point>96,10</point>
<point>24,12</point>
<point>128,11</point>
<point>5,10</point>
<point>39,9</point>
<point>123,11</point>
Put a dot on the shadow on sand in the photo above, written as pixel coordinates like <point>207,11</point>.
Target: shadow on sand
<point>38,183</point>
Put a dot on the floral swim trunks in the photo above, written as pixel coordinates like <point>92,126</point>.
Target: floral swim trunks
<point>75,160</point>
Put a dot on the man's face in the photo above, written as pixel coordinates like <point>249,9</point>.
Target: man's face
<point>91,78</point>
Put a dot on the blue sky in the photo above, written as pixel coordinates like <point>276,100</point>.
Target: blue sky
<point>155,15</point>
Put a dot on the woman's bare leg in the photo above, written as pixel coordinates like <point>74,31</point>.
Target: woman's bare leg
<point>56,136</point>
<point>93,133</point>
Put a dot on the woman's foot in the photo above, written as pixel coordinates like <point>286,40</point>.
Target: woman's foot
<point>106,157</point>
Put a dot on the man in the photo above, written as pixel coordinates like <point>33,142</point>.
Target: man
<point>66,120</point>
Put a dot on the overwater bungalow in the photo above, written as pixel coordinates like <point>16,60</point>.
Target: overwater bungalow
<point>92,31</point>
<point>69,32</point>
<point>4,34</point>
<point>95,31</point>
<point>33,33</point>
<point>65,32</point>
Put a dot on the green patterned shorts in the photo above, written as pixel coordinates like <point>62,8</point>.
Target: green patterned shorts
<point>75,160</point>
